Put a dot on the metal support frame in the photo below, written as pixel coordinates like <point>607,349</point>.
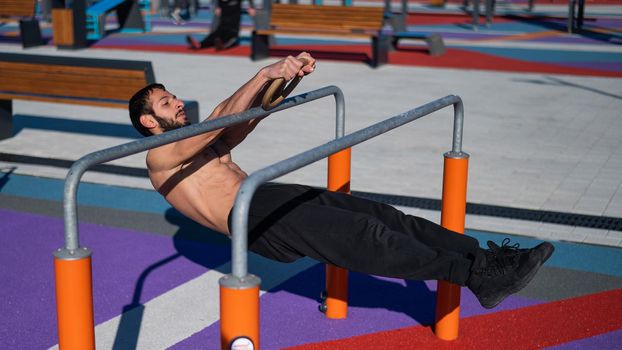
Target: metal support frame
<point>73,263</point>
<point>239,281</point>
<point>239,235</point>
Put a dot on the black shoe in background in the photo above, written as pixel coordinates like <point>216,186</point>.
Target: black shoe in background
<point>194,45</point>
<point>504,270</point>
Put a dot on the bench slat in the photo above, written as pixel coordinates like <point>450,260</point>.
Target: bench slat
<point>327,8</point>
<point>344,33</point>
<point>65,100</point>
<point>325,18</point>
<point>331,13</point>
<point>70,70</point>
<point>119,90</point>
<point>306,17</point>
<point>64,80</point>
<point>327,24</point>
<point>17,8</point>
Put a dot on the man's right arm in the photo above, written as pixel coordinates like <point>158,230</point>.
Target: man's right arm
<point>241,100</point>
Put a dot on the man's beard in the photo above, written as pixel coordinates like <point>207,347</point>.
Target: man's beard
<point>166,125</point>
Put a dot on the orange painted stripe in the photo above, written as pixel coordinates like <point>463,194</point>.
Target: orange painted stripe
<point>532,327</point>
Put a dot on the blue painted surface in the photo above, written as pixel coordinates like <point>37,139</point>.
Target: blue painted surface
<point>103,6</point>
<point>550,56</point>
<point>105,196</point>
<point>583,257</point>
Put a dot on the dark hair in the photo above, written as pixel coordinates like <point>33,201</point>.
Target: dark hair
<point>139,105</point>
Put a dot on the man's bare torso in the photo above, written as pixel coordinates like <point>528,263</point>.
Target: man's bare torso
<point>204,187</point>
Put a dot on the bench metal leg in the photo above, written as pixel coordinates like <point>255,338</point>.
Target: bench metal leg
<point>260,46</point>
<point>6,119</point>
<point>380,50</point>
<point>30,32</point>
<point>435,44</point>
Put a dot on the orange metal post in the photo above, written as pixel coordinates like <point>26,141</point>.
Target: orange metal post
<point>239,316</point>
<point>74,303</point>
<point>336,277</point>
<point>452,217</point>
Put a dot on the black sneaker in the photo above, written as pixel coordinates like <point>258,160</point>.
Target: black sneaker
<point>193,44</point>
<point>501,271</point>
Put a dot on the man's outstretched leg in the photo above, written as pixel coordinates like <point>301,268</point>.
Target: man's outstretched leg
<point>290,221</point>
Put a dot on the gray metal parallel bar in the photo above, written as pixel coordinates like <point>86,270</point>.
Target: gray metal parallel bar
<point>252,182</point>
<point>76,171</point>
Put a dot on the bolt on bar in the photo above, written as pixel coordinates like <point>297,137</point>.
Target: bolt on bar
<point>239,234</point>
<point>72,242</point>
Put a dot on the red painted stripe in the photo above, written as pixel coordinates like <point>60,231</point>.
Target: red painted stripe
<point>466,59</point>
<point>531,327</point>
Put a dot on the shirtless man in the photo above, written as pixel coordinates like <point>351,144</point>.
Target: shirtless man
<point>198,177</point>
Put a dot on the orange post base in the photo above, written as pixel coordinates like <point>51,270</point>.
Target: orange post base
<point>74,303</point>
<point>336,292</point>
<point>447,311</point>
<point>239,318</point>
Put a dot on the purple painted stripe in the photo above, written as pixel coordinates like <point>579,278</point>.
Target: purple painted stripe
<point>611,340</point>
<point>119,258</point>
<point>289,314</point>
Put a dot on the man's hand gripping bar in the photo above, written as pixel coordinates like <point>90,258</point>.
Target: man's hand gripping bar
<point>277,88</point>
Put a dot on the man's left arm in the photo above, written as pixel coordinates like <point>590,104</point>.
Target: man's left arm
<point>251,94</point>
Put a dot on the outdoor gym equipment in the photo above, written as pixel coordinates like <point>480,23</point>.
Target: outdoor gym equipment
<point>239,291</point>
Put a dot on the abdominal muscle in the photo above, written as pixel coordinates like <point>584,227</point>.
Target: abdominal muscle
<point>207,192</point>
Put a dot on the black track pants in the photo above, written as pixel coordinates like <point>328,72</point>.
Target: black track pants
<point>287,222</point>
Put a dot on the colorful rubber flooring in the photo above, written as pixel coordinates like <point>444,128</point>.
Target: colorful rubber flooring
<point>155,285</point>
<point>516,41</point>
<point>155,273</point>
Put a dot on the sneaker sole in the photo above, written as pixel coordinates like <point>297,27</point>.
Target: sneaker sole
<point>549,249</point>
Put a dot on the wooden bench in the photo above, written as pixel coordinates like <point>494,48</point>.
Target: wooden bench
<point>73,80</point>
<point>312,20</point>
<point>30,31</point>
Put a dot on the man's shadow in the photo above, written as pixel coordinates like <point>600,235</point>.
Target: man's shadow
<point>213,250</point>
<point>192,241</point>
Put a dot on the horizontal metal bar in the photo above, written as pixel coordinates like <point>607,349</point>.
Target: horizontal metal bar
<point>76,171</point>
<point>252,182</point>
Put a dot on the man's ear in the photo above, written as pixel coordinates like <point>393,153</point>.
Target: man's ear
<point>148,121</point>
